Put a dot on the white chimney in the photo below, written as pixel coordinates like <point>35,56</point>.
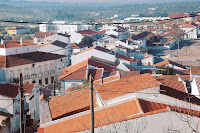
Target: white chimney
<point>126,41</point>
<point>2,41</point>
<point>21,41</point>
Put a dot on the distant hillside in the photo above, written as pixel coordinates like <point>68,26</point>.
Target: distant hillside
<point>49,11</point>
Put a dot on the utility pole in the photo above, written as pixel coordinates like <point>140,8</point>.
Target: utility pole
<point>54,88</point>
<point>21,94</point>
<point>91,105</point>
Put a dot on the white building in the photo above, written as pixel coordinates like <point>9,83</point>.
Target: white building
<point>62,28</point>
<point>117,31</point>
<point>10,114</point>
<point>22,57</point>
<point>97,52</point>
<point>191,31</point>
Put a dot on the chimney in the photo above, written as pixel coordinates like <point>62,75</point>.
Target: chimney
<point>2,41</point>
<point>21,41</point>
<point>126,41</point>
<point>117,73</point>
<point>101,80</point>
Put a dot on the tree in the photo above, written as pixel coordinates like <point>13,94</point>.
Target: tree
<point>27,37</point>
<point>33,30</point>
<point>17,38</point>
<point>86,40</point>
<point>8,37</point>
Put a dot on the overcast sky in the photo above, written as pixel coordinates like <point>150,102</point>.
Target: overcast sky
<point>109,1</point>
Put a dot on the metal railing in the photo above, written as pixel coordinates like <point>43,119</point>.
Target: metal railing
<point>40,74</point>
<point>34,75</point>
<point>46,73</point>
<point>26,76</point>
<point>52,71</point>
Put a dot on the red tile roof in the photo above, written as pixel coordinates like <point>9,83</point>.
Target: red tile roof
<point>178,15</point>
<point>107,79</point>
<point>139,36</point>
<point>27,58</point>
<point>102,32</point>
<point>188,26</point>
<point>195,69</point>
<point>71,103</point>
<point>11,90</point>
<point>44,34</point>
<point>167,62</point>
<point>172,77</point>
<point>13,44</point>
<point>96,73</point>
<point>87,32</point>
<point>186,97</point>
<point>128,110</point>
<point>126,58</point>
<point>74,46</point>
<point>177,85</point>
<point>129,84</point>
<point>77,71</point>
<point>197,79</point>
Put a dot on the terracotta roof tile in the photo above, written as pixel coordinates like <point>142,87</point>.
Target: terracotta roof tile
<point>129,84</point>
<point>44,34</point>
<point>102,32</point>
<point>13,44</point>
<point>167,62</point>
<point>172,77</point>
<point>96,73</point>
<point>186,97</point>
<point>178,15</point>
<point>87,32</point>
<point>126,58</point>
<point>195,69</point>
<point>197,79</point>
<point>11,90</point>
<point>76,71</point>
<point>70,103</point>
<point>177,85</point>
<point>106,80</point>
<point>77,46</point>
<point>116,113</point>
<point>139,36</point>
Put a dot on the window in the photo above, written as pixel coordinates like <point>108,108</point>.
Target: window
<point>46,80</point>
<point>52,79</point>
<point>40,81</point>
<point>33,81</point>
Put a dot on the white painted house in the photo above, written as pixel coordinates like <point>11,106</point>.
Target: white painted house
<point>22,57</point>
<point>62,28</point>
<point>10,106</point>
<point>97,52</point>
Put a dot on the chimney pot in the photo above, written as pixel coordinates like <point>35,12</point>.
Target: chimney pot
<point>2,41</point>
<point>21,41</point>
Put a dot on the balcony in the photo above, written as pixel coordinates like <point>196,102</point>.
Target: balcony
<point>34,75</point>
<point>46,73</point>
<point>40,74</point>
<point>52,71</point>
<point>27,77</point>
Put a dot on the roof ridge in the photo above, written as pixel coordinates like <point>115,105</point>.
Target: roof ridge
<point>139,105</point>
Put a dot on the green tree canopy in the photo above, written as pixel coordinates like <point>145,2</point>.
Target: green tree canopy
<point>86,40</point>
<point>27,37</point>
<point>8,37</point>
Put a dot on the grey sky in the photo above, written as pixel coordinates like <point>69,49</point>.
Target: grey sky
<point>110,1</point>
